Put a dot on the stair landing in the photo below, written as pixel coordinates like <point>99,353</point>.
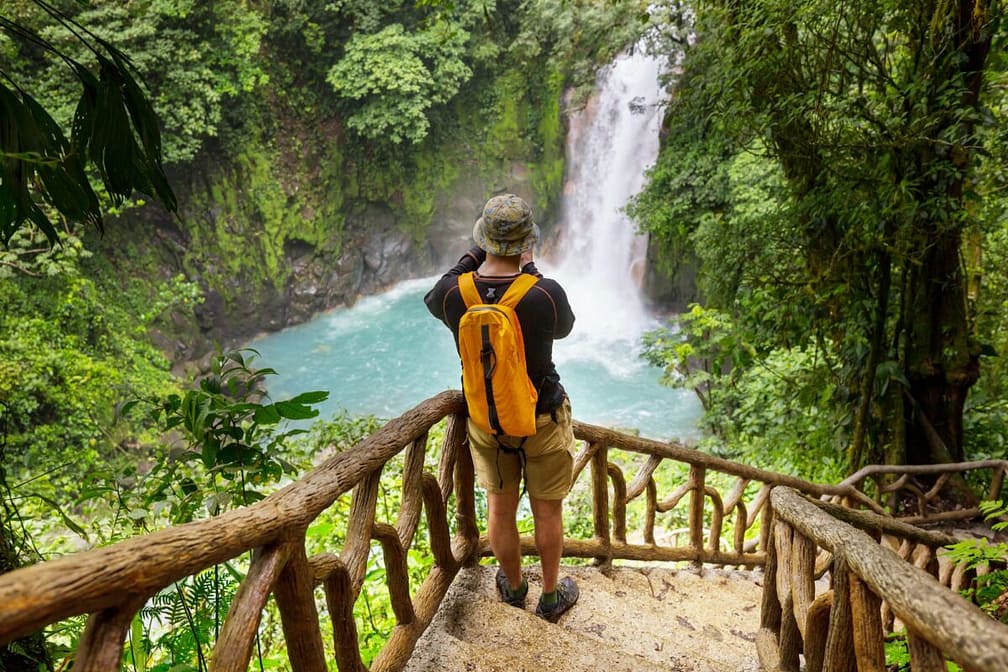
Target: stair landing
<point>639,619</point>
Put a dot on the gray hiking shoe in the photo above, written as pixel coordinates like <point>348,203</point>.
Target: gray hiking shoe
<point>567,595</point>
<point>505,593</point>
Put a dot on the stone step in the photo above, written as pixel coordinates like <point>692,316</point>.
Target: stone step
<point>627,619</point>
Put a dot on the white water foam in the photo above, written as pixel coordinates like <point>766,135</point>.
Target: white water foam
<point>599,259</point>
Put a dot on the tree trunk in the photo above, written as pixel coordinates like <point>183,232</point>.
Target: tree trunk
<point>942,365</point>
<point>943,362</point>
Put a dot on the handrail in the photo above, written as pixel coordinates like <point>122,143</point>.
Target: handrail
<point>845,624</point>
<point>702,502</point>
<point>113,583</point>
<point>897,485</point>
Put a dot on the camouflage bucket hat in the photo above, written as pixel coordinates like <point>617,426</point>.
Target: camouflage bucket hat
<point>506,227</point>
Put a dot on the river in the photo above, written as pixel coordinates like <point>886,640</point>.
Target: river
<point>386,354</point>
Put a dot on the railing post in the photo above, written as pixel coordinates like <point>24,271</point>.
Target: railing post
<point>790,635</point>
<point>412,501</point>
<point>101,647</point>
<point>340,601</point>
<point>924,656</point>
<point>866,616</point>
<point>600,499</point>
<point>295,598</point>
<point>839,642</point>
<point>768,638</point>
<point>619,503</point>
<point>465,495</point>
<point>697,478</point>
<point>233,649</point>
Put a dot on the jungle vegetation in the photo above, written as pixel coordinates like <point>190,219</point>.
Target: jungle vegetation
<point>838,173</point>
<point>835,171</point>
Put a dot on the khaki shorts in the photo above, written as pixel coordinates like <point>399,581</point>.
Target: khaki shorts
<point>549,457</point>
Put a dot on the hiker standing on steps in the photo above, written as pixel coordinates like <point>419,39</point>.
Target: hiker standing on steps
<point>505,236</point>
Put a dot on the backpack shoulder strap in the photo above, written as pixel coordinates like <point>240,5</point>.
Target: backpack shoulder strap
<point>518,289</point>
<point>467,286</point>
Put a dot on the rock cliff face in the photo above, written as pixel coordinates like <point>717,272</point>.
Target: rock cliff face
<point>253,285</point>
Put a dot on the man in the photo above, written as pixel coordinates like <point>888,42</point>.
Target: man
<point>505,236</point>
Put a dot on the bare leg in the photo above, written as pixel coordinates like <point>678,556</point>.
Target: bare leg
<point>548,515</point>
<point>502,528</point>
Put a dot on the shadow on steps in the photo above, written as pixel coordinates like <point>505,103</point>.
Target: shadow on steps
<point>639,619</point>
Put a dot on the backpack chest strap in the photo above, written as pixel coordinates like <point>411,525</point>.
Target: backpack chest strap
<point>515,292</point>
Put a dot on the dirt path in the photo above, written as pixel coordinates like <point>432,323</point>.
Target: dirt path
<point>628,619</point>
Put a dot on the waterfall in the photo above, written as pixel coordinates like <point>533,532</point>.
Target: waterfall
<point>599,257</point>
<point>386,353</point>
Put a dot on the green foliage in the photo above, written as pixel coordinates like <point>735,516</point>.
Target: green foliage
<point>114,130</point>
<point>772,409</point>
<point>69,354</point>
<point>988,590</point>
<point>582,34</point>
<point>395,77</point>
<point>763,179</point>
<point>230,433</point>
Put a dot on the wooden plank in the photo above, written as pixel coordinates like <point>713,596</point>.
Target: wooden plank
<point>869,637</point>
<point>340,603</point>
<point>100,648</point>
<point>839,640</point>
<point>295,599</point>
<point>233,648</point>
<point>396,573</point>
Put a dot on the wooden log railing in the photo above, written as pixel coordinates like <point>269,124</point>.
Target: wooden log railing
<point>707,511</point>
<point>844,627</point>
<point>915,493</point>
<point>112,583</point>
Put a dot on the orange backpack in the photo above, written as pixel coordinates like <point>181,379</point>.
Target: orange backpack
<point>500,396</point>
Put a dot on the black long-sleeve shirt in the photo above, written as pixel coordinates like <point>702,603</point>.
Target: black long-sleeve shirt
<point>544,314</point>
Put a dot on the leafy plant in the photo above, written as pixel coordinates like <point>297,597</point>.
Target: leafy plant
<point>114,130</point>
<point>229,433</point>
<point>989,590</point>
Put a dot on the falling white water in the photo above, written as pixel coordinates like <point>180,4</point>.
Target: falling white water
<point>599,258</point>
